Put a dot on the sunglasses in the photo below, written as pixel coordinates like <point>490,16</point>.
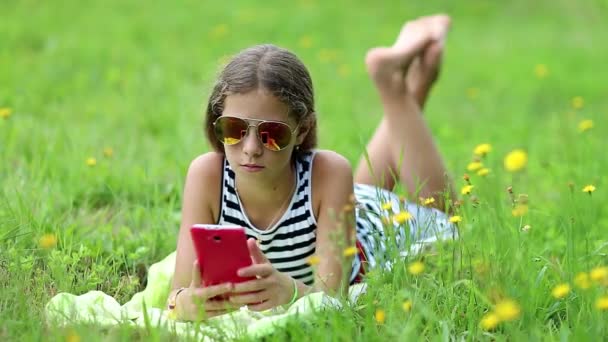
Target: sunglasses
<point>274,135</point>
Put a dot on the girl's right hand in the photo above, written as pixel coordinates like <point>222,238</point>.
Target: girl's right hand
<point>195,304</point>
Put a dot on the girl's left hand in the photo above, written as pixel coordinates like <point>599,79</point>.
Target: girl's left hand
<point>271,288</point>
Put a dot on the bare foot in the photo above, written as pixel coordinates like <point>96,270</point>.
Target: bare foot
<point>412,64</point>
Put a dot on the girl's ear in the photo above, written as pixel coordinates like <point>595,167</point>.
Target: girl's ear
<point>303,130</point>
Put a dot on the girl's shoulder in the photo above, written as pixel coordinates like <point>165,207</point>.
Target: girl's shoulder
<point>329,167</point>
<point>204,179</point>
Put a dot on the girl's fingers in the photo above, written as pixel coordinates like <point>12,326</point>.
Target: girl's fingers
<point>259,270</point>
<point>219,305</point>
<point>250,286</point>
<point>250,298</point>
<point>207,292</point>
<point>196,274</point>
<point>261,306</point>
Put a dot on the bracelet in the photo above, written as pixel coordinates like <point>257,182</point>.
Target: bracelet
<point>295,293</point>
<point>173,304</point>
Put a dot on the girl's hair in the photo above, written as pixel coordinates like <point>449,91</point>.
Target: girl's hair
<point>273,69</point>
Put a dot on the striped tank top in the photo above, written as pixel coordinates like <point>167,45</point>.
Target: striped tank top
<point>291,241</point>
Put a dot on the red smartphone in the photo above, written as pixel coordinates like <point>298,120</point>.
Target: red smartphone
<point>221,251</point>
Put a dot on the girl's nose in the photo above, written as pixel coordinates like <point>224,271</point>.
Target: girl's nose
<point>251,143</point>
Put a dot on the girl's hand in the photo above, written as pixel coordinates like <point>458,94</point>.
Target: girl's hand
<point>271,288</point>
<point>195,303</point>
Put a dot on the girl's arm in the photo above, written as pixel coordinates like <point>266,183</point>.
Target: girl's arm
<point>334,187</point>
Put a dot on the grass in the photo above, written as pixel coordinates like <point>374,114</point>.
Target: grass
<point>133,77</point>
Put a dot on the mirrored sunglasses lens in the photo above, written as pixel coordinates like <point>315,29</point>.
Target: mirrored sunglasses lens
<point>229,130</point>
<point>274,135</point>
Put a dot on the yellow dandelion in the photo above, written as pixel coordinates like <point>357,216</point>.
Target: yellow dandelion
<point>516,160</point>
<point>314,260</point>
<point>305,42</point>
<point>472,93</point>
<point>602,303</point>
<point>402,217</point>
<point>73,336</point>
<point>483,172</point>
<point>108,152</point>
<point>507,310</point>
<point>489,321</point>
<point>407,305</point>
<point>380,316</point>
<point>455,219</point>
<point>5,112</point>
<point>519,210</point>
<point>466,190</point>
<point>47,241</point>
<point>599,274</point>
<point>482,150</point>
<point>219,31</point>
<point>474,166</point>
<point>578,102</point>
<point>561,290</point>
<point>387,205</point>
<point>541,71</point>
<point>589,189</point>
<point>416,268</point>
<point>585,125</point>
<point>344,70</point>
<point>91,161</point>
<point>428,201</point>
<point>581,280</point>
<point>350,251</point>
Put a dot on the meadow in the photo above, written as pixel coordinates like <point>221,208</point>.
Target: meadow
<point>101,112</point>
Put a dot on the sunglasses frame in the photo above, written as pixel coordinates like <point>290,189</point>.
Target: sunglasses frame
<point>257,132</point>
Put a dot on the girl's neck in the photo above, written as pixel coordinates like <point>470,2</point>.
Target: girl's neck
<point>267,195</point>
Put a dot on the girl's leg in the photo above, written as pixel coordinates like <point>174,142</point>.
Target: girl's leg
<point>402,146</point>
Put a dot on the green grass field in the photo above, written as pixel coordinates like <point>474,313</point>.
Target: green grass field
<point>125,82</point>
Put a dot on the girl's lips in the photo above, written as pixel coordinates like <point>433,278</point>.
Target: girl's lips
<point>252,167</point>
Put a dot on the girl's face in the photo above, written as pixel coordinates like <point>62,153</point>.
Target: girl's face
<point>249,158</point>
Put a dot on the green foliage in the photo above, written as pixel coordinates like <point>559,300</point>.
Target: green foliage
<point>132,76</point>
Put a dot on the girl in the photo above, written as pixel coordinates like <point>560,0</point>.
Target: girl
<point>266,176</point>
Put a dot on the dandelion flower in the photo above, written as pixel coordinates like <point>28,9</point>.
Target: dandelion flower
<point>473,93</point>
<point>585,125</point>
<point>466,190</point>
<point>483,172</point>
<point>541,71</point>
<point>108,152</point>
<point>482,149</point>
<point>581,280</point>
<point>561,290</point>
<point>91,161</point>
<point>387,205</point>
<point>74,337</point>
<point>589,189</point>
<point>474,166</point>
<point>313,260</point>
<point>428,201</point>
<point>344,70</point>
<point>350,251</point>
<point>219,31</point>
<point>402,217</point>
<point>516,160</point>
<point>520,210</point>
<point>578,102</point>
<point>602,303</point>
<point>455,219</point>
<point>416,268</point>
<point>5,112</point>
<point>507,310</point>
<point>380,316</point>
<point>47,241</point>
<point>407,305</point>
<point>489,321</point>
<point>599,273</point>
<point>305,42</point>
